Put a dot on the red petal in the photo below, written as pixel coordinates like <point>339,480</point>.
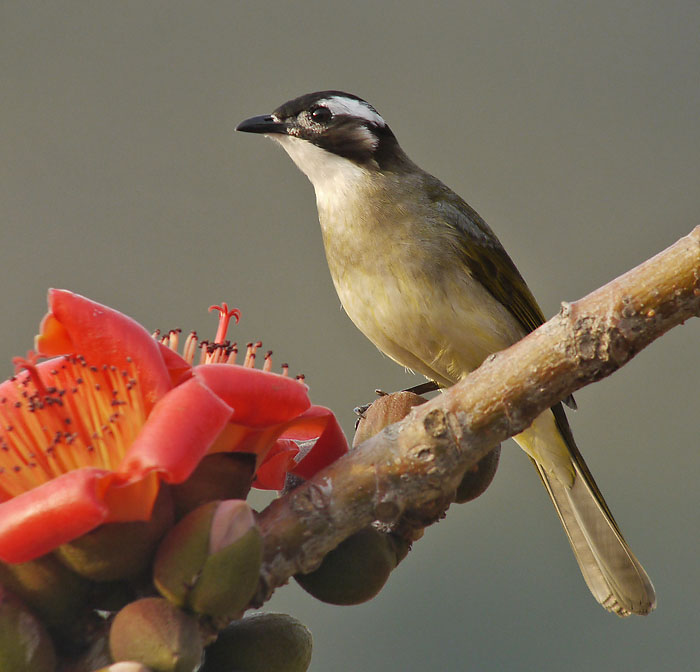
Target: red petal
<point>178,368</point>
<point>272,474</point>
<point>331,443</point>
<point>242,439</point>
<point>258,398</point>
<point>103,336</point>
<point>178,432</point>
<point>37,521</point>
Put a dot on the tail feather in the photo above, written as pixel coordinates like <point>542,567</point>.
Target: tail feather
<point>610,569</point>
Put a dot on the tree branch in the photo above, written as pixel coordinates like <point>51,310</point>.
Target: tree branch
<point>422,458</point>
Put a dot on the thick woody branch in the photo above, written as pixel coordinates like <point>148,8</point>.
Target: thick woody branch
<point>422,458</point>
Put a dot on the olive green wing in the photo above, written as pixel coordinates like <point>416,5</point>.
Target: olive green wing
<point>484,256</point>
<point>487,260</point>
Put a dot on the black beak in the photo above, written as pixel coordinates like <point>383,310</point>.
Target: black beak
<point>265,123</point>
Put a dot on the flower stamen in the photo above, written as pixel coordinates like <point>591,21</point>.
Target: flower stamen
<point>225,316</point>
<point>71,416</point>
<point>220,350</point>
<point>232,354</point>
<point>190,347</point>
<point>252,348</point>
<point>174,339</point>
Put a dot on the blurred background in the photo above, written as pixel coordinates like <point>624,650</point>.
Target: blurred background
<point>571,127</point>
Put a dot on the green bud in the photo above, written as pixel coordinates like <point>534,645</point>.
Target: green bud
<point>261,643</point>
<point>154,632</point>
<point>119,550</point>
<point>210,561</point>
<point>54,593</point>
<point>386,410</point>
<point>477,478</point>
<point>217,477</point>
<point>25,646</point>
<point>356,570</point>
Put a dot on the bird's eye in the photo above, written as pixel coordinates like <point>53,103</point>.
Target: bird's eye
<point>321,114</point>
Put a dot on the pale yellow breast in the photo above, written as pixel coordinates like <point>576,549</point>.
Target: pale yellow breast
<point>407,293</point>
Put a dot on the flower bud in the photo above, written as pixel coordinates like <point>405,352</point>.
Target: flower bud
<point>394,407</point>
<point>385,411</point>
<point>261,643</point>
<point>54,593</point>
<point>478,477</point>
<point>356,570</point>
<point>25,646</point>
<point>119,550</point>
<point>210,561</point>
<point>154,632</point>
<point>218,476</point>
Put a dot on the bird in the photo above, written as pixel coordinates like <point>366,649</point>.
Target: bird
<point>423,276</point>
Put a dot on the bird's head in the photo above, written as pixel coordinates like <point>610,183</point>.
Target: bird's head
<point>330,134</point>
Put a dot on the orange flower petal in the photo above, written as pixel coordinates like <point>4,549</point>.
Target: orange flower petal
<point>37,521</point>
<point>258,398</point>
<point>178,368</point>
<point>53,338</point>
<point>272,474</point>
<point>178,433</point>
<point>103,336</point>
<point>132,501</point>
<point>330,445</point>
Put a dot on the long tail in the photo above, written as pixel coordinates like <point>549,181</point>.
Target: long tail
<point>609,567</point>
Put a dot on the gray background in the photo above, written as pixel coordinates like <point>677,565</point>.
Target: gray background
<point>571,127</point>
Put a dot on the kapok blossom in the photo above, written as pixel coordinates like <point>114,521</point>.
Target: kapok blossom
<point>88,436</point>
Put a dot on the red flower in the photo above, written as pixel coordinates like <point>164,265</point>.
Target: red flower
<point>87,437</point>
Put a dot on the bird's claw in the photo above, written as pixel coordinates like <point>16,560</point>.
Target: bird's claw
<point>422,388</point>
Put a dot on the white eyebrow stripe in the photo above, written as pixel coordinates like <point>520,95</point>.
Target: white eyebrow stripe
<point>352,107</point>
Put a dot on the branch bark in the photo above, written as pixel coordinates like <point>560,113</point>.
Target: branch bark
<point>421,459</point>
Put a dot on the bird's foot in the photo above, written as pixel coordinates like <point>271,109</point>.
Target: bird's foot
<point>428,386</point>
<point>422,388</point>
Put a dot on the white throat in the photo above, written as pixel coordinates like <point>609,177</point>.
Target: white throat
<point>335,178</point>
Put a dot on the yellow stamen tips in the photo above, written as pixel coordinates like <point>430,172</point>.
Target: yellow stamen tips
<point>73,416</point>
